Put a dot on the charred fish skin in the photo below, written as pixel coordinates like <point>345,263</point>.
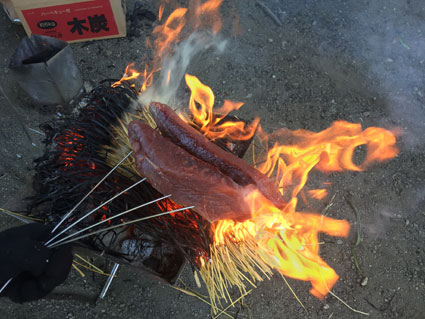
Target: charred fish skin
<point>188,138</point>
<point>191,181</point>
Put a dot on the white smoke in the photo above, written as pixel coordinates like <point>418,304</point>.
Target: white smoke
<point>173,68</point>
<point>395,54</point>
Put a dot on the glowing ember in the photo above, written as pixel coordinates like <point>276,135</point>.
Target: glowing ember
<point>70,144</point>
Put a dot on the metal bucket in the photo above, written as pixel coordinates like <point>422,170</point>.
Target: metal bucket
<point>45,68</point>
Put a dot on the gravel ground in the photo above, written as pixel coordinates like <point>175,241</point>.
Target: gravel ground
<point>359,61</point>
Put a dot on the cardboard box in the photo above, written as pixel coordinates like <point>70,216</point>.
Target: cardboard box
<point>72,21</point>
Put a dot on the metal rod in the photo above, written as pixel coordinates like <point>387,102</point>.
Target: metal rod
<point>22,219</point>
<point>123,224</point>
<point>5,285</point>
<point>105,220</point>
<point>108,282</point>
<point>91,191</point>
<point>93,210</point>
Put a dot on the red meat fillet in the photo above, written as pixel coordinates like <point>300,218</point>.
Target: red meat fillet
<point>185,136</point>
<point>191,181</point>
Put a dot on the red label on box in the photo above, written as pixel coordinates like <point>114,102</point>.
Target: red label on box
<point>75,21</point>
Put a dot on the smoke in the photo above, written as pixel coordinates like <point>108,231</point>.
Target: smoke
<point>386,39</point>
<point>173,68</point>
<point>390,40</point>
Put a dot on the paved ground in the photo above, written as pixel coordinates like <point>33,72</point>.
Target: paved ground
<point>328,60</point>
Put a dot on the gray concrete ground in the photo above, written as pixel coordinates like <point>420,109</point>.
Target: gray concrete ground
<point>360,61</point>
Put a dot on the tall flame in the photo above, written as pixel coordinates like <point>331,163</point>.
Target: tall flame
<point>168,34</point>
<point>210,123</point>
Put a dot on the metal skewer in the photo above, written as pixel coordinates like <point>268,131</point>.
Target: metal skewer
<point>5,285</point>
<point>91,191</point>
<point>78,204</point>
<point>106,220</point>
<point>92,211</point>
<point>123,224</point>
<point>108,282</point>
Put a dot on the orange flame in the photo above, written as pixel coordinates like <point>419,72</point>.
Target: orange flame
<point>288,240</point>
<point>160,11</point>
<point>129,74</point>
<point>197,15</point>
<point>318,193</point>
<point>166,35</point>
<point>327,151</point>
<point>210,123</point>
<point>210,14</point>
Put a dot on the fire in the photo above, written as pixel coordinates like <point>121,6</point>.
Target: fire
<point>129,74</point>
<point>209,123</point>
<point>318,193</point>
<point>282,239</point>
<point>160,11</point>
<point>326,151</point>
<point>167,35</point>
<point>287,240</point>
